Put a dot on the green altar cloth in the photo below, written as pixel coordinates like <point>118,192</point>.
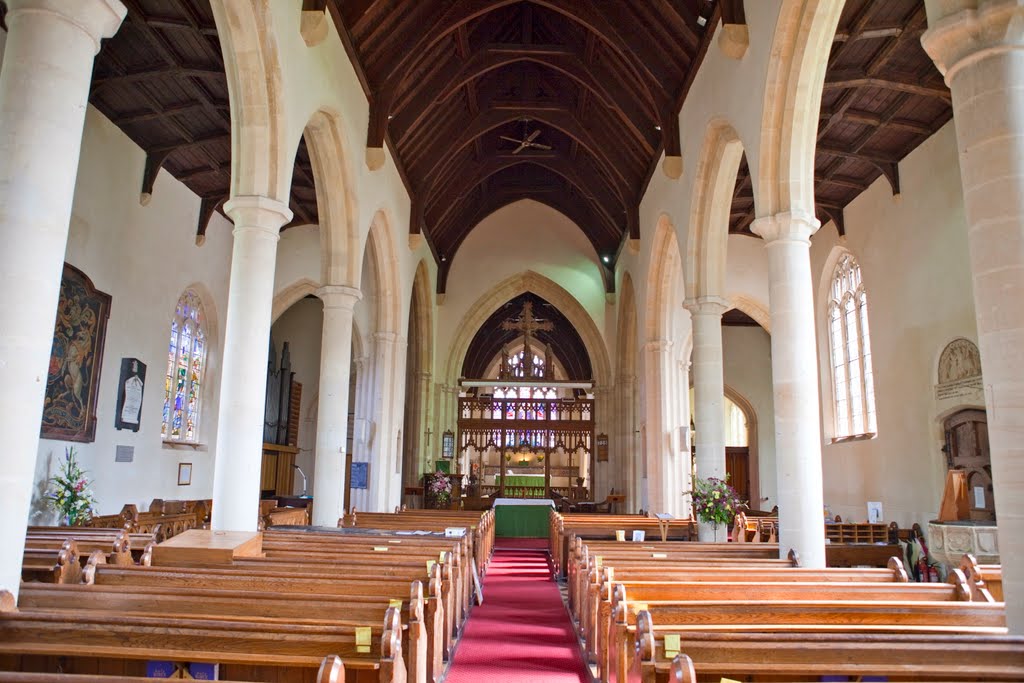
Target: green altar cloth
<point>521,521</point>
<point>529,480</point>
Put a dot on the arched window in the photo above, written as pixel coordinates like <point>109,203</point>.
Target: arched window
<point>186,361</point>
<point>853,387</point>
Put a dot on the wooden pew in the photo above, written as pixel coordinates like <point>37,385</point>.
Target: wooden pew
<point>984,579</point>
<point>62,565</point>
<point>332,670</point>
<point>290,581</point>
<point>588,527</point>
<point>663,593</point>
<point>281,650</point>
<point>807,657</point>
<point>356,609</point>
<point>595,615</point>
<point>116,551</point>
<point>810,616</point>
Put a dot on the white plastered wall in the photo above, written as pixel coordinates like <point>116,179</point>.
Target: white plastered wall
<point>747,369</point>
<point>523,236</point>
<point>913,256</point>
<point>301,326</point>
<point>144,257</point>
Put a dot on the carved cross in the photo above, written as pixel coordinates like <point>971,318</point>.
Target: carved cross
<point>527,324</point>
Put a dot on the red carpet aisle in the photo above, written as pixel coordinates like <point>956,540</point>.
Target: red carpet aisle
<point>522,632</point>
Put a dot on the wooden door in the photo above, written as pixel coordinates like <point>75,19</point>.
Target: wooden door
<point>967,449</point>
<point>737,466</point>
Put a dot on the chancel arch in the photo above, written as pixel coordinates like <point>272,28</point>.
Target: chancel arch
<point>526,407</point>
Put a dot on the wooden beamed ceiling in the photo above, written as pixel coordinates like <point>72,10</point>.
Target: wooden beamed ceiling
<point>595,86</point>
<point>882,98</point>
<point>452,82</point>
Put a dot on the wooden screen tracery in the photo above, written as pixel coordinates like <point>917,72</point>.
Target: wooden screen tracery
<point>532,437</point>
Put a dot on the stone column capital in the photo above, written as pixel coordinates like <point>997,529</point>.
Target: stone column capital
<point>960,34</point>
<point>98,19</point>
<point>424,376</point>
<point>658,345</point>
<point>254,212</point>
<point>339,296</point>
<point>789,226</point>
<point>707,305</point>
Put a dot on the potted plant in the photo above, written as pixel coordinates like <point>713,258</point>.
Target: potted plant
<point>438,488</point>
<point>715,502</point>
<point>70,494</point>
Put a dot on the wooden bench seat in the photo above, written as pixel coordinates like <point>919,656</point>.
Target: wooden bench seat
<point>298,584</point>
<point>658,593</point>
<point>809,656</point>
<point>356,609</point>
<point>984,579</point>
<point>278,646</point>
<point>808,616</point>
<point>332,670</point>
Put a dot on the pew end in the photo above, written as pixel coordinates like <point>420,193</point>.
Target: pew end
<point>682,670</point>
<point>332,670</point>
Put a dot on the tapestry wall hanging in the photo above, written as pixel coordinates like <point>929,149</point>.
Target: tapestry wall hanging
<point>72,384</point>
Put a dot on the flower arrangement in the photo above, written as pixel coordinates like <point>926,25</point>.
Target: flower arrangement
<point>714,500</point>
<point>70,494</point>
<point>438,486</point>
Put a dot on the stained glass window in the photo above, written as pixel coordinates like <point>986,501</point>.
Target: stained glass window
<point>853,387</point>
<point>186,360</point>
<point>521,411</point>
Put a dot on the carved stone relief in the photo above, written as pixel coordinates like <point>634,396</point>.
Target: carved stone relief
<point>959,370</point>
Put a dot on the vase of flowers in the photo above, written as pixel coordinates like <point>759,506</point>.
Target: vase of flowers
<point>715,503</point>
<point>69,492</point>
<point>437,487</point>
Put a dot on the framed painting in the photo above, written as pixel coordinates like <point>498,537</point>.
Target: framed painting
<point>73,379</point>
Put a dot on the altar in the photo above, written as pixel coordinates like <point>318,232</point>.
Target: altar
<point>522,518</point>
<point>532,485</point>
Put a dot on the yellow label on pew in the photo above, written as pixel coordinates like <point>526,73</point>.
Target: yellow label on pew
<point>363,635</point>
<point>639,606</point>
<point>671,644</point>
<point>647,547</point>
<point>430,567</point>
<point>395,541</point>
<point>597,560</point>
<point>727,680</point>
<point>380,548</point>
<point>659,556</point>
<point>440,557</point>
<point>395,603</point>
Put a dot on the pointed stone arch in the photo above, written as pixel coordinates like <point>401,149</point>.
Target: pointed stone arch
<point>792,99</point>
<point>755,309</point>
<point>260,161</point>
<point>555,294</point>
<point>380,249</point>
<point>713,187</point>
<point>418,377</point>
<point>288,296</point>
<point>664,277</point>
<point>335,198</point>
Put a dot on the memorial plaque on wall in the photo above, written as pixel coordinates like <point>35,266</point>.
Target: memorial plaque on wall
<point>130,386</point>
<point>602,448</point>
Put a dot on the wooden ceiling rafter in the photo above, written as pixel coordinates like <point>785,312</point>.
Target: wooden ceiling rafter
<point>878,79</point>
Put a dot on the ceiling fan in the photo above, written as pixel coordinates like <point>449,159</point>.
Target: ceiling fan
<point>527,142</point>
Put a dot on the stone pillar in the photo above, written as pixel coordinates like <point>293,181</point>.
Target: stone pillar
<point>628,455</point>
<point>708,392</point>
<point>243,386</point>
<point>787,238</point>
<point>981,54</point>
<point>657,363</point>
<point>44,88</point>
<point>363,421</point>
<point>330,477</point>
<point>388,394</point>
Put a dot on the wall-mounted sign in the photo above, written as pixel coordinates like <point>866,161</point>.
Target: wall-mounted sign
<point>602,448</point>
<point>359,475</point>
<point>447,444</point>
<point>130,387</point>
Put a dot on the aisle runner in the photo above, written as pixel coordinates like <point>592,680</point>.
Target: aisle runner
<point>522,632</point>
